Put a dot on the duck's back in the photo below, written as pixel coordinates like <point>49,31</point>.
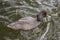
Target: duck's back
<point>25,23</point>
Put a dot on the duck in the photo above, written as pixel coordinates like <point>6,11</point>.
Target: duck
<point>28,23</point>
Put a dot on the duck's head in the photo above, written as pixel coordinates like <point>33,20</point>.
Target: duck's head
<point>41,15</point>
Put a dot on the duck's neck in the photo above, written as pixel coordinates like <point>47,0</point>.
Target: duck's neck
<point>41,19</point>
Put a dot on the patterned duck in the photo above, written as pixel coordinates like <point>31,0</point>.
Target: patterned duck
<point>28,23</point>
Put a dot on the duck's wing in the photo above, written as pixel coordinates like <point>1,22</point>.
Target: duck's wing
<point>30,25</point>
<point>26,24</point>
